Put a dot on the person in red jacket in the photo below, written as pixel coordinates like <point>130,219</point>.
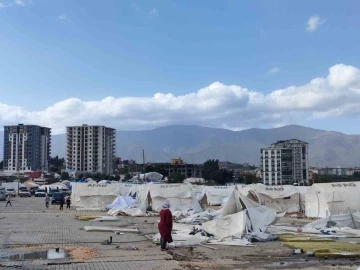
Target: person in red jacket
<point>165,225</point>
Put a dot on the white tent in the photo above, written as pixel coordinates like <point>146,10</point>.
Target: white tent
<point>121,202</point>
<point>194,180</point>
<point>323,200</point>
<point>198,190</point>
<point>216,195</point>
<point>180,196</point>
<point>239,216</point>
<point>29,184</point>
<point>93,196</point>
<point>152,176</point>
<point>280,198</point>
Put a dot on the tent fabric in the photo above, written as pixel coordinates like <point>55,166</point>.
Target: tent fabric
<point>226,226</point>
<point>96,196</point>
<point>121,202</point>
<point>104,182</point>
<point>323,200</point>
<point>215,195</point>
<point>30,184</point>
<point>152,176</point>
<point>180,196</point>
<point>284,198</point>
<point>194,180</point>
<point>244,189</point>
<point>344,220</point>
<point>239,216</point>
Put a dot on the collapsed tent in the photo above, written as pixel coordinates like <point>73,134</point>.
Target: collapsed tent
<point>323,200</point>
<point>280,198</point>
<point>239,216</point>
<point>93,196</point>
<point>180,196</point>
<point>216,195</point>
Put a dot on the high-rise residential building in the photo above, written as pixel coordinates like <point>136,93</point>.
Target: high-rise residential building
<point>90,149</point>
<point>26,148</point>
<point>285,162</point>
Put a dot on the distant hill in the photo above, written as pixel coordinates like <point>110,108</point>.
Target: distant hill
<point>198,144</point>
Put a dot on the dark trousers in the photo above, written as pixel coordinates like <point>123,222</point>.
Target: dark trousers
<point>68,205</point>
<point>8,202</point>
<point>61,206</point>
<point>163,243</point>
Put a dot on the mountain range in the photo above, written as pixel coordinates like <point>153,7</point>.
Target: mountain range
<point>196,144</point>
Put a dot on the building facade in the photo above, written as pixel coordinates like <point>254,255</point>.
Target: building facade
<point>285,163</point>
<point>91,149</point>
<point>178,165</point>
<point>26,148</point>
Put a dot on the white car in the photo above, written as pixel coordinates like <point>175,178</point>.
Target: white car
<point>24,192</point>
<point>11,192</point>
<point>40,193</point>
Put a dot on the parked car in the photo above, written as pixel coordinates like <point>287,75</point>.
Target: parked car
<point>33,190</point>
<point>11,192</point>
<point>2,194</point>
<point>24,192</point>
<point>66,192</point>
<point>40,193</point>
<point>56,197</point>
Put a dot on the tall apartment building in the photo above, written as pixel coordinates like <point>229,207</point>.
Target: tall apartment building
<point>285,162</point>
<point>26,148</point>
<point>91,149</point>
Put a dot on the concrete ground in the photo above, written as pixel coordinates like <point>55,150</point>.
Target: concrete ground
<point>29,225</point>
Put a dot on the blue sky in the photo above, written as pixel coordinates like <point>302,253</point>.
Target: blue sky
<point>55,50</point>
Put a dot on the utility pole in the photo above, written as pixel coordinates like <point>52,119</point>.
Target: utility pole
<point>144,163</point>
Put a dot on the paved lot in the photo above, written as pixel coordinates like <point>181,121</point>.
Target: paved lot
<point>28,222</point>
<point>28,225</point>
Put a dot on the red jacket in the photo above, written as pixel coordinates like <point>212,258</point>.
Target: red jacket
<point>165,225</point>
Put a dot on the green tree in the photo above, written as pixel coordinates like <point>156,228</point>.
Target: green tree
<point>127,177</point>
<point>356,174</point>
<point>123,170</point>
<point>210,169</point>
<point>56,164</point>
<point>176,177</point>
<point>64,176</point>
<point>250,179</point>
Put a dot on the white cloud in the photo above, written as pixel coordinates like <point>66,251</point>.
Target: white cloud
<point>153,12</point>
<point>19,2</point>
<point>313,23</point>
<point>2,5</point>
<point>217,105</point>
<point>273,71</point>
<point>136,7</point>
<point>62,17</point>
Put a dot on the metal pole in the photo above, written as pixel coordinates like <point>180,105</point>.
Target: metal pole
<point>352,218</point>
<point>17,154</point>
<point>144,162</point>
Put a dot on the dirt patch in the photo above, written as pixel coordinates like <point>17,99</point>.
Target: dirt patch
<point>77,253</point>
